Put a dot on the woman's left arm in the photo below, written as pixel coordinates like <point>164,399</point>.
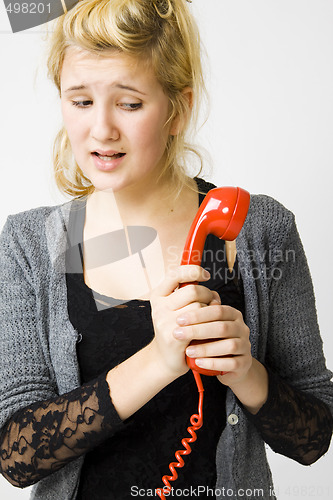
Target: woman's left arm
<point>287,399</point>
<point>292,422</point>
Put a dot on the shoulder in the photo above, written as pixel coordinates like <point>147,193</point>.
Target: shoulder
<point>34,241</point>
<point>32,233</point>
<point>35,217</point>
<point>35,220</point>
<point>269,224</point>
<point>268,211</point>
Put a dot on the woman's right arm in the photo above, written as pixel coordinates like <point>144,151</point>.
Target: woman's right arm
<point>42,437</point>
<point>46,435</point>
<point>40,430</point>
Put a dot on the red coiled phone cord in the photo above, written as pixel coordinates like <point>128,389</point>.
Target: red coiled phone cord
<point>196,422</point>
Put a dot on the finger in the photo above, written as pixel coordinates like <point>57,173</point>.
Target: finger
<point>181,274</point>
<point>216,299</point>
<point>209,331</point>
<point>189,295</point>
<point>227,364</point>
<point>209,314</point>
<point>217,348</point>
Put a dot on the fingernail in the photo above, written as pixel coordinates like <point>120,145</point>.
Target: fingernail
<point>206,274</point>
<point>200,363</point>
<point>190,351</point>
<point>179,333</point>
<point>182,320</point>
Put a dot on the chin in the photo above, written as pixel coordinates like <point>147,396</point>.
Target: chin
<point>113,183</point>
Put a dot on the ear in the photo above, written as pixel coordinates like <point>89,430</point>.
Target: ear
<point>179,121</point>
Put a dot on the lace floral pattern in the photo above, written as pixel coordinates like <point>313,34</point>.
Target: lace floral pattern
<point>43,437</point>
<point>293,423</point>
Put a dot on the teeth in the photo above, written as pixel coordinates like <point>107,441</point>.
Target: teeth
<point>108,158</point>
<point>105,158</point>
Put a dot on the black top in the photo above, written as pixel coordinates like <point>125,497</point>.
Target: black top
<point>138,455</point>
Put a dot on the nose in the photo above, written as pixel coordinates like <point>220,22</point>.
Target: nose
<point>104,127</point>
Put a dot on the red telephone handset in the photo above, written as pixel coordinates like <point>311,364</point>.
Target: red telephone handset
<point>222,213</point>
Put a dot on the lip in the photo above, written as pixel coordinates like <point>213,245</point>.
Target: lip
<point>106,166</point>
<point>106,153</point>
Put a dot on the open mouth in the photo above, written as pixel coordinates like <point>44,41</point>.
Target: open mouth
<point>109,157</point>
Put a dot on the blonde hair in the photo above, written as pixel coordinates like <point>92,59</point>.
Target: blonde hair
<point>161,32</point>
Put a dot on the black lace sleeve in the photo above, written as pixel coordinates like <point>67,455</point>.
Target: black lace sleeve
<point>293,423</point>
<point>45,436</point>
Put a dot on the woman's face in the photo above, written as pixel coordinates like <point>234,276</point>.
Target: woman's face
<point>115,111</point>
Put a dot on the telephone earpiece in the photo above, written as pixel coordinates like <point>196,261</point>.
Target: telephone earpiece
<point>222,213</point>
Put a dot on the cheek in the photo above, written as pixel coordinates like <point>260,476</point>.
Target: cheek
<point>74,127</point>
<point>153,132</point>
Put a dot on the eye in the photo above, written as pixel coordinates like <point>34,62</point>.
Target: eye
<point>131,106</point>
<point>82,104</point>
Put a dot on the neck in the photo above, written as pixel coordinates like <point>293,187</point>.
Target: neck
<point>133,206</point>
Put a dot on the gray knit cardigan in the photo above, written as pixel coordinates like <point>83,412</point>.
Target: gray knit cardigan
<point>38,342</point>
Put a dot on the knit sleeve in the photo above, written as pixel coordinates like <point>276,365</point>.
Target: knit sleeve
<point>41,431</point>
<point>293,423</point>
<point>26,373</point>
<point>295,347</point>
<point>45,436</point>
<point>297,418</point>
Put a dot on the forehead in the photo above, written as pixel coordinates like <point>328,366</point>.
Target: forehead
<point>83,67</point>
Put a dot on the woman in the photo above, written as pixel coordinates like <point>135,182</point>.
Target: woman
<point>95,390</point>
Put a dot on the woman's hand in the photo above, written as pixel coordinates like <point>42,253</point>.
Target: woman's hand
<point>230,350</point>
<point>168,302</point>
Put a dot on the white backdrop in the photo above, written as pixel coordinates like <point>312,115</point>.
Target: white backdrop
<point>270,77</point>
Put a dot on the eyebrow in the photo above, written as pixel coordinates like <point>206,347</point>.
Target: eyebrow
<point>116,85</point>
